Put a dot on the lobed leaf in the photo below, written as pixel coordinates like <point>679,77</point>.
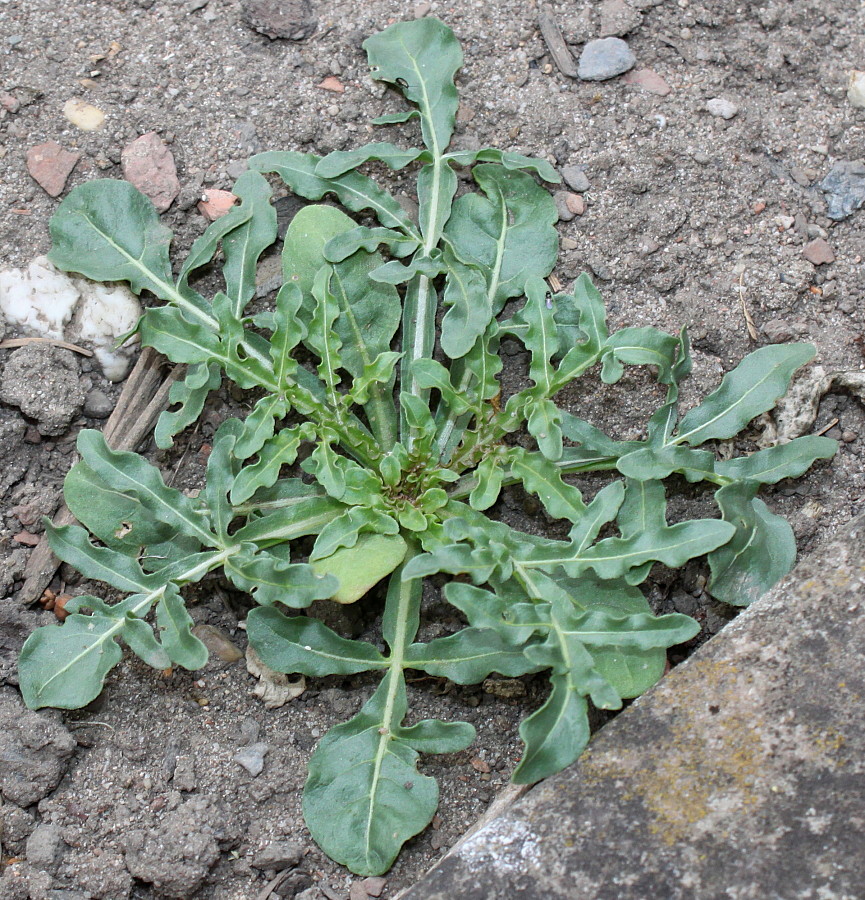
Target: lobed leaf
<point>175,631</point>
<point>554,735</point>
<point>509,233</point>
<point>190,394</point>
<point>306,646</point>
<point>364,796</point>
<point>750,389</point>
<point>117,519</point>
<point>784,461</point>
<point>341,161</point>
<point>359,568</point>
<point>356,192</point>
<point>761,551</point>
<point>65,666</point>
<point>420,58</point>
<point>469,656</point>
<point>131,474</point>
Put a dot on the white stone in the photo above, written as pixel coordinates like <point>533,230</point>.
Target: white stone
<point>856,91</point>
<point>43,301</point>
<point>724,109</point>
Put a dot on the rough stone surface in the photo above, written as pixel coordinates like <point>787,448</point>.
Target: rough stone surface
<point>50,165</point>
<point>740,775</point>
<point>293,20</point>
<point>16,825</point>
<point>618,18</point>
<point>605,58</point>
<point>149,165</point>
<point>34,749</point>
<point>844,187</point>
<point>45,847</point>
<point>43,382</point>
<point>278,855</point>
<point>177,855</point>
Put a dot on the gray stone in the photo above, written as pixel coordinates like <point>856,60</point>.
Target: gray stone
<point>618,18</point>
<point>575,178</point>
<point>562,208</point>
<point>252,758</point>
<point>45,847</point>
<point>278,855</point>
<point>741,774</point>
<point>289,19</point>
<point>844,187</point>
<point>43,382</point>
<point>97,404</point>
<point>605,58</point>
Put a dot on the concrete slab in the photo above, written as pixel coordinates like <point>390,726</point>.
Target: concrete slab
<point>740,776</point>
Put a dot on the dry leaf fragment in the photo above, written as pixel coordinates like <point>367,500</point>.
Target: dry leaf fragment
<point>274,688</point>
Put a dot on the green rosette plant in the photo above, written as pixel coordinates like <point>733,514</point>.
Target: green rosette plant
<point>377,367</point>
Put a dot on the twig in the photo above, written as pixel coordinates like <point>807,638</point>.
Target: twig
<point>749,322</point>
<point>143,397</point>
<point>552,36</point>
<point>9,343</point>
<point>272,885</point>
<point>826,428</point>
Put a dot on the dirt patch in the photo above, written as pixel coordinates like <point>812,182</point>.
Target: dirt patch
<point>693,209</point>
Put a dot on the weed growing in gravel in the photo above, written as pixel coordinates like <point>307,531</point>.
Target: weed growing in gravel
<point>403,451</point>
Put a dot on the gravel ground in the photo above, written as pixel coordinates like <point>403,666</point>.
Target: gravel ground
<point>694,192</point>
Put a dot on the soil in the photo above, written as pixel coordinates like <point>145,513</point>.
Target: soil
<point>688,216</point>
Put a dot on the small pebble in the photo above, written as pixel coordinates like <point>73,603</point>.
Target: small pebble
<point>569,244</point>
<point>422,9</point>
<point>605,58</point>
<point>849,436</point>
<point>98,405</point>
<point>252,758</point>
<point>218,643</point>
<point>575,178</point>
<point>844,187</point>
<point>149,165</point>
<point>568,205</point>
<point>818,252</point>
<point>357,891</point>
<point>723,109</point>
<point>84,116</point>
<point>374,885</point>
<point>215,204</point>
<point>50,165</point>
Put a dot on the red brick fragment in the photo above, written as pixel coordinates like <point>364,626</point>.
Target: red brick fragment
<point>50,165</point>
